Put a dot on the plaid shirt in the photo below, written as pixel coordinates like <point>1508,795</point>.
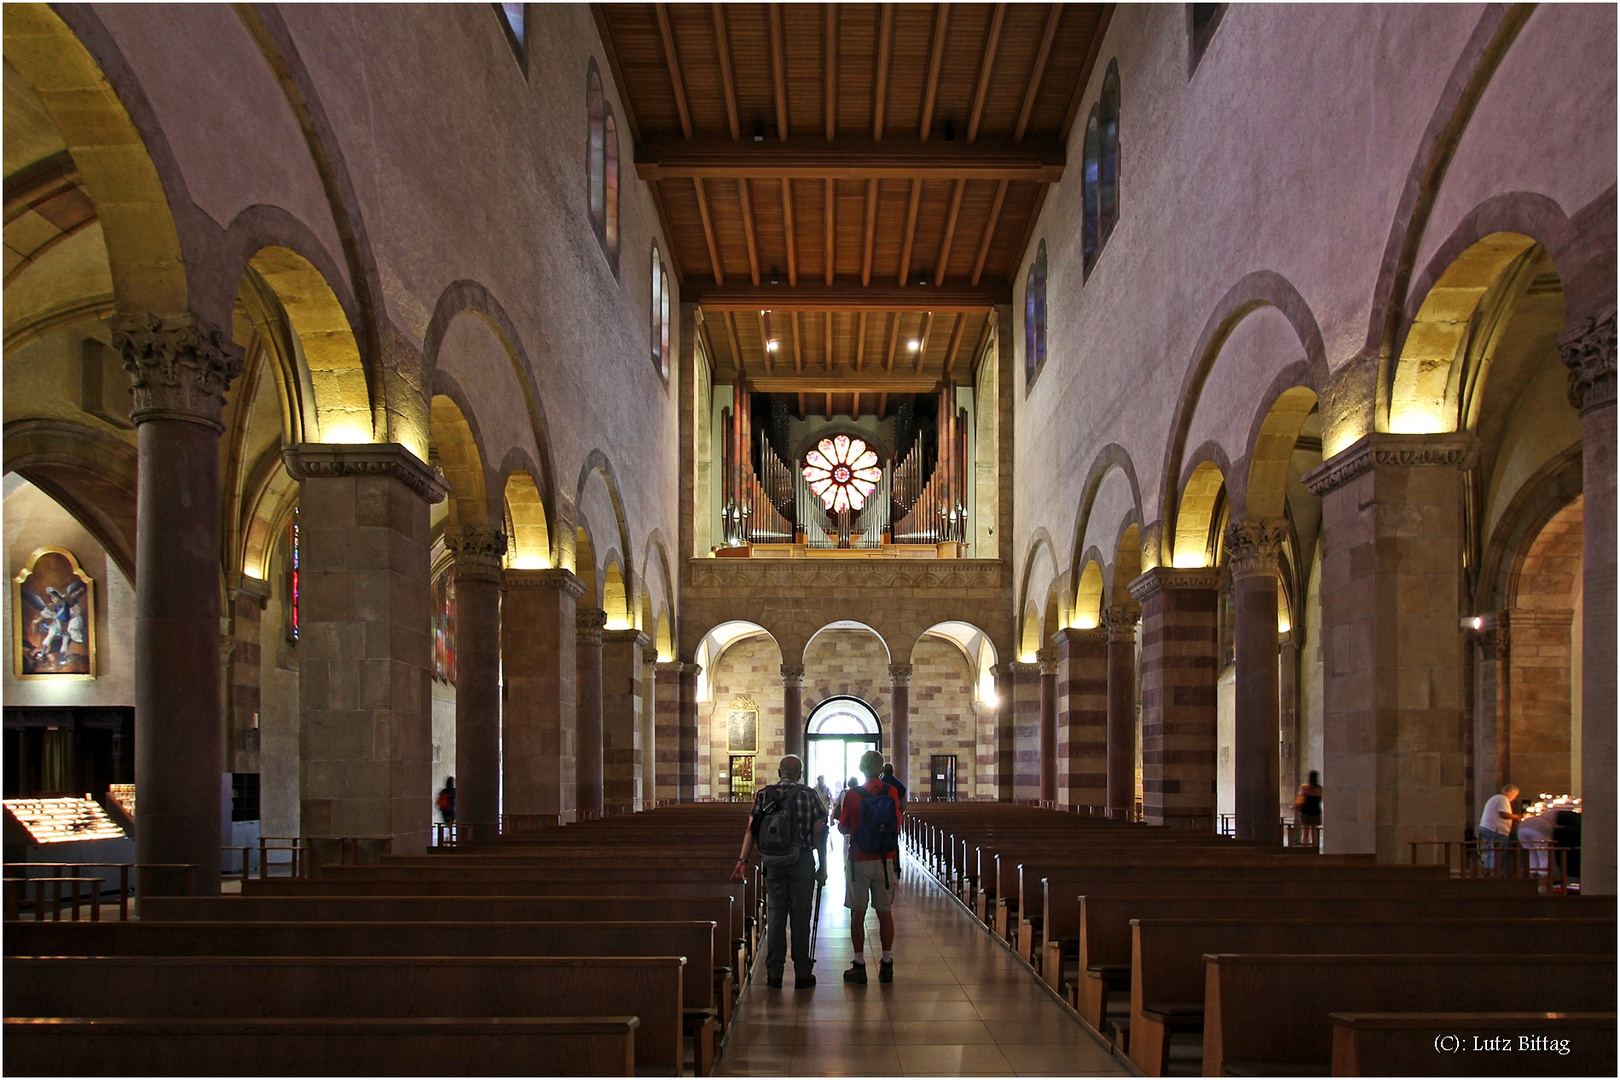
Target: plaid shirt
<point>807,806</point>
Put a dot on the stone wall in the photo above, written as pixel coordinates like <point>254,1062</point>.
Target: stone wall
<point>944,715</point>
<point>752,669</point>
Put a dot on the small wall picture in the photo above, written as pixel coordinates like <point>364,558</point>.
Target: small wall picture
<point>53,632</point>
<point>742,727</point>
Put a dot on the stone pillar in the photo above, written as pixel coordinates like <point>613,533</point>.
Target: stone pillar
<point>793,710</point>
<point>1082,716</point>
<point>1392,642</point>
<point>478,554</point>
<point>621,719</point>
<point>1022,715</point>
<point>365,651</point>
<point>1178,695</point>
<point>688,733</point>
<point>649,727</point>
<point>666,731</point>
<point>539,702</point>
<point>1587,350</point>
<point>1253,547</point>
<point>588,623</point>
<point>1492,699</point>
<point>1288,772</point>
<point>180,367</point>
<point>1120,621</point>
<point>900,720</point>
<point>243,669</point>
<point>1048,662</point>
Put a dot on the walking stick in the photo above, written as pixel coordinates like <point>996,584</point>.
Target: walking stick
<point>815,921</point>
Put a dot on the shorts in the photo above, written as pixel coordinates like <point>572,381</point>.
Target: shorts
<point>864,883</point>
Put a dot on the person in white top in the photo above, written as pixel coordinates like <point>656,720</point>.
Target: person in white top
<point>1495,823</point>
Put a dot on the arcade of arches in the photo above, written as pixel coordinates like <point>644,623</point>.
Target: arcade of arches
<point>427,392</point>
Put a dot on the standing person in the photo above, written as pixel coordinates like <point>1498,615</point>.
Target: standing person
<point>870,817</point>
<point>823,790</point>
<point>894,781</point>
<point>447,801</point>
<point>1308,808</point>
<point>1495,823</point>
<point>789,827</point>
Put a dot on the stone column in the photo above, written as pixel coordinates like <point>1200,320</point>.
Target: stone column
<point>1178,695</point>
<point>1120,621</point>
<point>1392,642</point>
<point>1023,710</point>
<point>793,709</point>
<point>1492,698</point>
<point>1253,547</point>
<point>243,667</point>
<point>365,650</point>
<point>621,719</point>
<point>588,623</point>
<point>1082,716</point>
<point>478,552</point>
<point>688,734</point>
<point>539,702</point>
<point>900,720</point>
<point>649,726</point>
<point>1048,661</point>
<point>1587,350</point>
<point>666,731</point>
<point>180,367</point>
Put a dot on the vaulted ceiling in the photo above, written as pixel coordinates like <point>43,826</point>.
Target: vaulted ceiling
<point>856,183</point>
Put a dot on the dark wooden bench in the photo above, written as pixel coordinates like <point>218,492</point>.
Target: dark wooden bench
<point>1460,1044</point>
<point>209,987</point>
<point>1167,958</point>
<point>1267,1015</point>
<point>547,1046</point>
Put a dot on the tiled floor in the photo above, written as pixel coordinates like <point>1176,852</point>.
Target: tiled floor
<point>960,1005</point>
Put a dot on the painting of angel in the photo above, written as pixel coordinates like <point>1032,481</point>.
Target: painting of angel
<point>53,618</point>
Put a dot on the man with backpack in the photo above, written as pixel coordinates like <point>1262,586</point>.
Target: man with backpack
<point>788,826</point>
<point>870,816</point>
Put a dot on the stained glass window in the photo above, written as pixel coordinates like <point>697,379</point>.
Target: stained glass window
<point>292,576</point>
<point>444,627</point>
<point>842,471</point>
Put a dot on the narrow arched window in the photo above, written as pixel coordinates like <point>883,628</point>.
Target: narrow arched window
<point>1108,155</point>
<point>596,163</point>
<point>1089,176</point>
<point>1035,314</point>
<point>610,185</point>
<point>660,314</point>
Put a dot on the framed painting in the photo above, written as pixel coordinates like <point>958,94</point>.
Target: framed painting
<point>53,618</point>
<point>742,727</point>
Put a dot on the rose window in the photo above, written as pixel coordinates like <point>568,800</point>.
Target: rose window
<point>842,471</point>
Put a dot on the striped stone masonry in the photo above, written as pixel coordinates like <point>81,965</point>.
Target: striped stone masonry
<point>1178,695</point>
<point>1082,716</point>
<point>538,660</point>
<point>621,718</point>
<point>1023,722</point>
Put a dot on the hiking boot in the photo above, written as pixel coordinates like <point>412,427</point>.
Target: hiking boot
<point>804,982</point>
<point>856,974</point>
<point>885,971</point>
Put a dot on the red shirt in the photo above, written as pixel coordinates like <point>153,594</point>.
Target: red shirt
<point>849,814</point>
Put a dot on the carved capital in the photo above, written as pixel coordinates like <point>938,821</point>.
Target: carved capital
<point>649,655</point>
<point>478,551</point>
<point>792,675</point>
<point>588,624</point>
<point>180,367</point>
<point>1254,546</point>
<point>634,638</point>
<point>1018,669</point>
<point>900,674</point>
<point>1047,660</point>
<point>1587,350</point>
<point>557,580</point>
<point>1382,450</point>
<point>1120,621</point>
<point>332,461</point>
<point>1161,578</point>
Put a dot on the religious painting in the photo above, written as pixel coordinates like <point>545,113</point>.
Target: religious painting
<point>742,727</point>
<point>53,631</point>
<point>444,627</point>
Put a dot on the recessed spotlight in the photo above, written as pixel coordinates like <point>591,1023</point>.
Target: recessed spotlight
<point>913,345</point>
<point>770,346</point>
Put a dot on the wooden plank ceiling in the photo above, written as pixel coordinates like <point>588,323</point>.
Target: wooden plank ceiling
<point>855,183</point>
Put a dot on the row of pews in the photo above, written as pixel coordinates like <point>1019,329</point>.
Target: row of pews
<point>1282,961</point>
<point>610,947</point>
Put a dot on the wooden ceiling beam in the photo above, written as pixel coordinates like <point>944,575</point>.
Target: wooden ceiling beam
<point>851,157</point>
<point>663,224</point>
<point>748,229</point>
<point>894,336</point>
<point>978,346</point>
<point>819,382</point>
<point>955,343</point>
<point>1029,225</point>
<point>922,341</point>
<point>883,406</point>
<point>829,78</point>
<point>1037,72</point>
<point>798,344</point>
<point>911,231</point>
<point>788,230</point>
<point>801,406</point>
<point>727,82</point>
<point>936,56</point>
<point>860,342</point>
<point>708,232</point>
<point>880,88</point>
<point>627,112</point>
<point>871,227</point>
<point>855,409</point>
<point>672,59</point>
<point>1092,51</point>
<point>731,337</point>
<point>829,242</point>
<point>989,231</point>
<point>827,339</point>
<point>779,70</point>
<point>829,412</point>
<point>765,342</point>
<point>950,233</point>
<point>986,65</point>
<point>845,295</point>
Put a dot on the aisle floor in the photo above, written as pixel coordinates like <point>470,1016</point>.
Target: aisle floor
<point>960,1005</point>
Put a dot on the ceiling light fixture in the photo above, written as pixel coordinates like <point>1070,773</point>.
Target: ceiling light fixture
<point>913,345</point>
<point>770,346</point>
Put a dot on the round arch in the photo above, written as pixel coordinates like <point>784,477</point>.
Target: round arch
<point>837,732</point>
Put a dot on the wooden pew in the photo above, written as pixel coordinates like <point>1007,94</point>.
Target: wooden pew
<point>209,987</point>
<point>1167,958</point>
<point>431,1046</point>
<point>1266,1015</point>
<point>1460,1044</point>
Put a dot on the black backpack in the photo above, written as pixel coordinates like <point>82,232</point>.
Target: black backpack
<point>777,831</point>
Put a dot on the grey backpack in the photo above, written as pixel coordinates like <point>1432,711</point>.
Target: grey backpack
<point>778,833</point>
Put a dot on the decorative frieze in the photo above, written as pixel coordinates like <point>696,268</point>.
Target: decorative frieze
<point>179,365</point>
<point>1383,450</point>
<point>558,580</point>
<point>307,461</point>
<point>1162,578</point>
<point>1587,350</point>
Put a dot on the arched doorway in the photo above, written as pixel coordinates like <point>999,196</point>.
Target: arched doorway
<point>839,731</point>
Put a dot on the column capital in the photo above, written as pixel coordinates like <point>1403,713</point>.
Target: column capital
<point>636,639</point>
<point>1120,621</point>
<point>1164,578</point>
<point>676,667</point>
<point>649,654</point>
<point>588,624</point>
<point>1254,546</point>
<point>477,549</point>
<point>1493,635</point>
<point>1070,636</point>
<point>900,674</point>
<point>558,580</point>
<point>1587,350</point>
<point>1047,661</point>
<point>306,461</point>
<point>792,675</point>
<point>1017,668</point>
<point>180,367</point>
<point>1386,450</point>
